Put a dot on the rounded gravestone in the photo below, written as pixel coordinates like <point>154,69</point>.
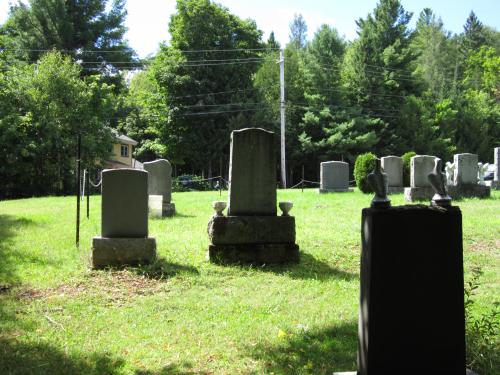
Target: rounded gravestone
<point>159,178</point>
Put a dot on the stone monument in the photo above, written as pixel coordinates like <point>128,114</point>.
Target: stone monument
<point>160,188</point>
<point>495,184</point>
<point>481,171</point>
<point>393,167</point>
<point>252,232</point>
<point>124,220</point>
<point>465,182</point>
<point>420,188</point>
<point>334,177</point>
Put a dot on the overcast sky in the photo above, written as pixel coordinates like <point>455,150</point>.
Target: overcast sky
<point>147,20</point>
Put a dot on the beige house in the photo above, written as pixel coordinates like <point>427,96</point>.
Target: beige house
<point>121,156</point>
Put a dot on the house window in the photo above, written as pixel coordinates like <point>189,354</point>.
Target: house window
<point>124,151</point>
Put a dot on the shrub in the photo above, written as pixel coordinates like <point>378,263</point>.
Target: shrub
<point>406,167</point>
<point>190,183</point>
<point>364,165</point>
<point>482,331</point>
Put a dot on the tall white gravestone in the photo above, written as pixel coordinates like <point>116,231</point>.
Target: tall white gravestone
<point>393,167</point>
<point>420,188</point>
<point>466,169</point>
<point>495,184</point>
<point>160,188</point>
<point>334,177</point>
<point>252,232</point>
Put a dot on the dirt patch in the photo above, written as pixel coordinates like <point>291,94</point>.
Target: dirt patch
<point>115,286</point>
<point>484,247</point>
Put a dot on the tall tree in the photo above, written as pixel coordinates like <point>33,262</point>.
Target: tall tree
<point>298,31</point>
<point>473,36</point>
<point>84,29</point>
<point>205,76</point>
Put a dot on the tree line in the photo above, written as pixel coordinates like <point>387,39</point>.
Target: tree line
<point>65,69</point>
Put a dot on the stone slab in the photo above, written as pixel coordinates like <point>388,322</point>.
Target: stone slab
<point>124,203</point>
<point>496,157</point>
<point>252,173</point>
<point>159,178</point>
<point>334,176</point>
<point>158,208</point>
<point>466,169</point>
<point>393,167</point>
<point>109,252</point>
<point>456,192</point>
<point>326,191</point>
<point>412,316</point>
<point>420,167</point>
<point>254,253</point>
<point>233,230</point>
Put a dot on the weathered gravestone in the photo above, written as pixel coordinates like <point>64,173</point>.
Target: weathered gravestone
<point>252,233</point>
<point>160,188</point>
<point>495,184</point>
<point>334,177</point>
<point>420,189</point>
<point>393,167</point>
<point>465,179</point>
<point>124,220</point>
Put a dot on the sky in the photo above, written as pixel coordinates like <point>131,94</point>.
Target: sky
<point>147,20</point>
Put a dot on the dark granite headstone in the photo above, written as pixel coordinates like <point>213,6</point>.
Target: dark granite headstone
<point>412,292</point>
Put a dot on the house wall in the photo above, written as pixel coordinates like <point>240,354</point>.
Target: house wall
<point>117,154</point>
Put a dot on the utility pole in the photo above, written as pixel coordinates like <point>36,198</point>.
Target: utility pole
<point>282,110</point>
<point>78,187</point>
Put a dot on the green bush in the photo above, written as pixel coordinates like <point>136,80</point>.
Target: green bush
<point>190,183</point>
<point>406,167</point>
<point>364,165</point>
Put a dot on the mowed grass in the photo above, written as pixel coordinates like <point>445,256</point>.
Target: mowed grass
<point>184,315</point>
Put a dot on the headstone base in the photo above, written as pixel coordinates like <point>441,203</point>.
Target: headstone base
<point>413,194</point>
<point>252,239</point>
<point>395,190</point>
<point>122,251</point>
<point>158,208</point>
<point>254,253</point>
<point>324,191</point>
<point>494,185</point>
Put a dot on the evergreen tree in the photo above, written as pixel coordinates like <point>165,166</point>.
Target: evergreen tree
<point>473,36</point>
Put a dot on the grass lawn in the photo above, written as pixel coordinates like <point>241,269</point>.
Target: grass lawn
<point>184,315</point>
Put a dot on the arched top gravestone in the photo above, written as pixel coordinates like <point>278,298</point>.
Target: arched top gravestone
<point>160,178</point>
<point>252,173</point>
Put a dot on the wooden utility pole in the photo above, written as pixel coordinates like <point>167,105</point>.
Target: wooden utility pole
<point>282,110</point>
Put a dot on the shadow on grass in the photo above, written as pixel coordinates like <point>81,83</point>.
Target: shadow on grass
<point>311,352</point>
<point>308,268</point>
<point>17,357</point>
<point>173,369</point>
<point>162,269</point>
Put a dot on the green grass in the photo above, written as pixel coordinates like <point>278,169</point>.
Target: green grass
<point>184,315</point>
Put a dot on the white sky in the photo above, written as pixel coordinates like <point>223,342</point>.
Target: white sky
<point>148,20</point>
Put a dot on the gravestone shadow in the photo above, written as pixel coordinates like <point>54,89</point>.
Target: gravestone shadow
<point>161,269</point>
<point>311,352</point>
<point>19,358</point>
<point>184,368</point>
<point>308,268</point>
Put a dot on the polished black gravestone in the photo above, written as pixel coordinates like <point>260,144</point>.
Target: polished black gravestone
<point>411,317</point>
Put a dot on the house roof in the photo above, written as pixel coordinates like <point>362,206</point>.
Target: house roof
<point>122,138</point>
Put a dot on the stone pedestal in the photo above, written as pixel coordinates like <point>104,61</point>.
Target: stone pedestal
<point>325,191</point>
<point>411,318</point>
<point>158,208</point>
<point>122,251</point>
<point>252,239</point>
<point>415,194</point>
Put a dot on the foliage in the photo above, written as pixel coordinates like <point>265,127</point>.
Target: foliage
<point>365,164</point>
<point>190,183</point>
<point>482,331</point>
<point>406,166</point>
<point>298,31</point>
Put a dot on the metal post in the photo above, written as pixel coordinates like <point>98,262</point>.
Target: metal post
<point>220,176</point>
<point>78,191</point>
<point>88,194</point>
<point>282,110</point>
<point>302,182</point>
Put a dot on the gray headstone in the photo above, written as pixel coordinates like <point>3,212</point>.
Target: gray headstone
<point>393,167</point>
<point>124,203</point>
<point>334,175</point>
<point>252,173</point>
<point>420,167</point>
<point>497,164</point>
<point>466,169</point>
<point>160,178</point>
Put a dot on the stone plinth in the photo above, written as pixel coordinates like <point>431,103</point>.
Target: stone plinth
<point>393,167</point>
<point>420,167</point>
<point>158,208</point>
<point>466,169</point>
<point>456,192</point>
<point>272,253</point>
<point>411,318</point>
<point>124,203</point>
<point>334,177</point>
<point>108,252</point>
<point>252,173</point>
